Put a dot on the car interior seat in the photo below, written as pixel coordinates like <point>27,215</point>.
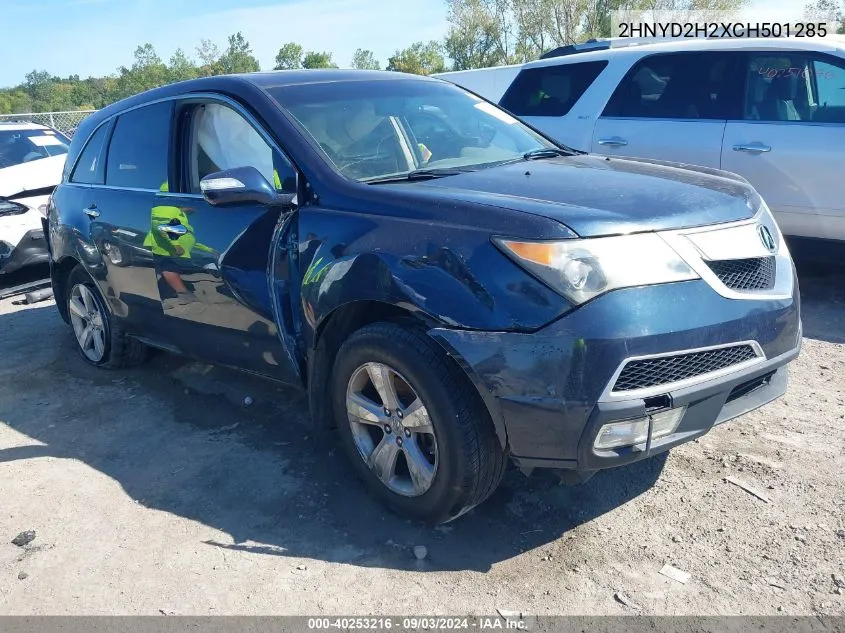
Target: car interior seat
<point>558,94</point>
<point>778,104</point>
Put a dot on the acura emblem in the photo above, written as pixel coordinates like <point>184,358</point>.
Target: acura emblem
<point>767,238</point>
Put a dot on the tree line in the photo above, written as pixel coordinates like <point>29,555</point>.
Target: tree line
<point>481,33</point>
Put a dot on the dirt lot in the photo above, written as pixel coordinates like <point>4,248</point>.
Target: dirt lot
<point>155,491</point>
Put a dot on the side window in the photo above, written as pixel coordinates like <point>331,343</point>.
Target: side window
<point>794,87</point>
<point>89,168</point>
<point>139,148</point>
<point>223,139</point>
<point>777,87</point>
<point>550,90</point>
<point>675,86</point>
<point>829,95</point>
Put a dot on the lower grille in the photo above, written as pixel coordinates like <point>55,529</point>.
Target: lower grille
<point>755,273</point>
<point>652,372</point>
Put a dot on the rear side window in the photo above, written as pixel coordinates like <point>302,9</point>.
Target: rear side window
<point>677,86</point>
<point>550,90</point>
<point>89,168</point>
<point>794,87</point>
<point>139,148</point>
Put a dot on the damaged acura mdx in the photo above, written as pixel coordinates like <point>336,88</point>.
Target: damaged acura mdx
<point>453,289</point>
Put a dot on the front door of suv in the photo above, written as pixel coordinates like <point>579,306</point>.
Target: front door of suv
<point>670,106</point>
<point>215,264</point>
<point>788,142</point>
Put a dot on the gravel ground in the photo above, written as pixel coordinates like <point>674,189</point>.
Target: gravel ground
<point>154,490</point>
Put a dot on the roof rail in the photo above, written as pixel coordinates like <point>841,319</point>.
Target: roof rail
<point>599,44</point>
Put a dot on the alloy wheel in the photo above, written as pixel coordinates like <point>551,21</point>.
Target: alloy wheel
<point>392,429</point>
<point>88,321</point>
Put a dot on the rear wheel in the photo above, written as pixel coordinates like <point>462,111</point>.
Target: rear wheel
<point>99,338</point>
<point>413,425</point>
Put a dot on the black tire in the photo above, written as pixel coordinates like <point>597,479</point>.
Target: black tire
<point>120,350</point>
<point>471,461</point>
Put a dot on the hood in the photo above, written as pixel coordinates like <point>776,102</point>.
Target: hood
<point>45,172</point>
<point>595,196</point>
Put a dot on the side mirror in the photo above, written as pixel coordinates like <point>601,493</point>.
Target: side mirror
<point>241,185</point>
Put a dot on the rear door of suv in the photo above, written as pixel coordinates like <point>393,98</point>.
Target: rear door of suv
<point>671,106</point>
<point>788,141</point>
<point>116,207</point>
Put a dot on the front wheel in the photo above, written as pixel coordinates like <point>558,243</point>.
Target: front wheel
<point>413,425</point>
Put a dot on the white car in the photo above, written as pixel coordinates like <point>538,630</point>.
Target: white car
<point>32,158</point>
<point>770,110</point>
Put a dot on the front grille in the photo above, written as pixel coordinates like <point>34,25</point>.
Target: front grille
<point>755,273</point>
<point>651,372</point>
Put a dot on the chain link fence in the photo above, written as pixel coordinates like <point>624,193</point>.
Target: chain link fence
<point>66,122</point>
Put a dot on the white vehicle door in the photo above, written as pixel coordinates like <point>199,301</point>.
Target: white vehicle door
<point>670,106</point>
<point>789,143</point>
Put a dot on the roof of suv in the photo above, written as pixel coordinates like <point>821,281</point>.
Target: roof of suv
<point>261,80</point>
<point>619,47</point>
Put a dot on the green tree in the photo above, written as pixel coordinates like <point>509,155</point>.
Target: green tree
<point>39,85</point>
<point>209,56</point>
<point>419,58</point>
<point>289,57</point>
<point>181,67</point>
<point>148,71</point>
<point>827,10</point>
<point>315,59</point>
<point>238,57</point>
<point>481,33</point>
<point>365,60</point>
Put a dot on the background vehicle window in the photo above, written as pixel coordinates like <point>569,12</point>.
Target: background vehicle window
<point>550,90</point>
<point>830,92</point>
<point>223,139</point>
<point>677,86</point>
<point>89,169</point>
<point>787,87</point>
<point>24,146</point>
<point>138,151</point>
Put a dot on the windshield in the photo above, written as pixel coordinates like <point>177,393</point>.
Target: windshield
<point>374,130</point>
<point>23,146</point>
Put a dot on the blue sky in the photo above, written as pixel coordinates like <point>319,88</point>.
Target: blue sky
<point>94,37</point>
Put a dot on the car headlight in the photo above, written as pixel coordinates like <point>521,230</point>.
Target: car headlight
<point>7,207</point>
<point>582,269</point>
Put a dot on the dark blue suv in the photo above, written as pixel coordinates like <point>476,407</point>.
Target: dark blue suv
<point>453,289</point>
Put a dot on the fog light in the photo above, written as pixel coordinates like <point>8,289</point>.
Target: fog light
<point>626,433</point>
<point>635,431</point>
<point>665,422</point>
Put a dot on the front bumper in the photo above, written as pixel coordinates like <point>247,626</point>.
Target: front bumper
<point>30,250</point>
<point>548,391</point>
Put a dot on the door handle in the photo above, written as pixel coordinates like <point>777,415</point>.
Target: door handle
<point>92,211</point>
<point>172,229</point>
<point>753,148</point>
<point>613,141</point>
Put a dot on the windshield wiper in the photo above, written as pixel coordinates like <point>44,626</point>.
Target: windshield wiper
<point>545,152</point>
<point>420,174</point>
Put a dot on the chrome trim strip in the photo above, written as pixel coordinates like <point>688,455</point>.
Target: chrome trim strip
<point>608,395</point>
<point>684,244</point>
<point>722,121</point>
